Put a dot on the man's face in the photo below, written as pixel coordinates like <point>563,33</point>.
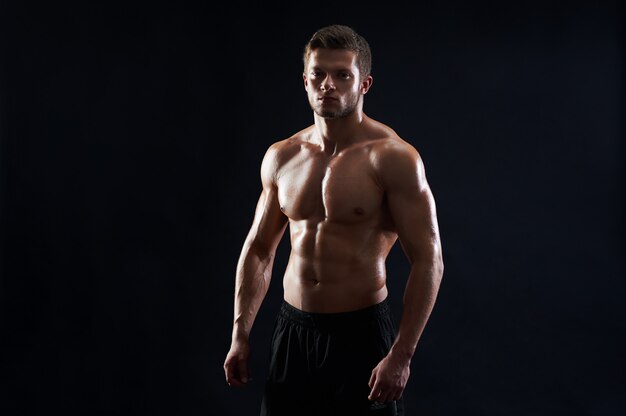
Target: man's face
<point>332,82</point>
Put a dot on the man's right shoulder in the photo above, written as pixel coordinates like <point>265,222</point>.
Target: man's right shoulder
<point>285,149</point>
<point>277,155</point>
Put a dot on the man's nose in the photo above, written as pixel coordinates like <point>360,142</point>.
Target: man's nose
<point>328,84</point>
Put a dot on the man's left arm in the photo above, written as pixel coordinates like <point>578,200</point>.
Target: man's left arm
<point>413,211</point>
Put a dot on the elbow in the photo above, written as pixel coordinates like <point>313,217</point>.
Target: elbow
<point>260,250</point>
<point>438,267</point>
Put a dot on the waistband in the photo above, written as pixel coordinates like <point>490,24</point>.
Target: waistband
<point>330,320</point>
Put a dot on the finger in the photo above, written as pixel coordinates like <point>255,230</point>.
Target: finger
<point>372,379</point>
<point>231,377</point>
<point>376,392</point>
<point>383,396</point>
<point>387,396</point>
<point>243,369</point>
<point>373,396</point>
<point>397,394</point>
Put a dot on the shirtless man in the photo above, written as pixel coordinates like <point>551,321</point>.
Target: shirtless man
<point>348,187</point>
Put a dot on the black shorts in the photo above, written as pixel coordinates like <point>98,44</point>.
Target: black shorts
<point>321,363</point>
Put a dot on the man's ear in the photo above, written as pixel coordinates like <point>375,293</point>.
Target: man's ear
<point>366,84</point>
<point>306,81</point>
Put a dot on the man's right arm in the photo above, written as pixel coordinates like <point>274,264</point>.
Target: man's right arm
<point>254,269</point>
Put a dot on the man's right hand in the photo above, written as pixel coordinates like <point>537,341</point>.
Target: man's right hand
<point>236,364</point>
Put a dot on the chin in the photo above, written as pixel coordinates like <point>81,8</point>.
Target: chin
<point>328,114</point>
<point>334,114</point>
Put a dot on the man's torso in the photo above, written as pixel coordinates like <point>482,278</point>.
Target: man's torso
<point>340,227</point>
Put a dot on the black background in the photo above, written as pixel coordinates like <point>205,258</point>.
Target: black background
<point>132,136</point>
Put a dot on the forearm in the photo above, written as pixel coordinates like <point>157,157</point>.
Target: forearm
<point>419,299</point>
<point>254,272</point>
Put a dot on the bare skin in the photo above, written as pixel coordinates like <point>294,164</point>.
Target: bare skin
<point>348,187</point>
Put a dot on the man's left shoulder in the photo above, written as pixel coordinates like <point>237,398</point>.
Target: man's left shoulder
<point>392,149</point>
<point>398,164</point>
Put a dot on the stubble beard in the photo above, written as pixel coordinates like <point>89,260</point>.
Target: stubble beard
<point>340,113</point>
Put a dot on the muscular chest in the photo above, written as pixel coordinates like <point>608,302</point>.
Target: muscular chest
<point>342,189</point>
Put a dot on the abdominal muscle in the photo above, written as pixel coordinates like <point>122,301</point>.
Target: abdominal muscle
<point>335,268</point>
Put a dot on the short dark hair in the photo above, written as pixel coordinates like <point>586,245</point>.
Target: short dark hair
<point>341,37</point>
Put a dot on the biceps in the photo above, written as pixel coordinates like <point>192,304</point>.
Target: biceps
<point>269,222</point>
<point>415,218</point>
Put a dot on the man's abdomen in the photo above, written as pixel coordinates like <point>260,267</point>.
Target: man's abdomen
<point>336,267</point>
<point>331,285</point>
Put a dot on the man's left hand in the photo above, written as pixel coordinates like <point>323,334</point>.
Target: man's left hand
<point>389,378</point>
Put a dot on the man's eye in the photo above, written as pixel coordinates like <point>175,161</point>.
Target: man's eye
<point>345,76</point>
<point>316,74</point>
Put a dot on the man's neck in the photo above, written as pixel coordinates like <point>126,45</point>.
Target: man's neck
<point>335,134</point>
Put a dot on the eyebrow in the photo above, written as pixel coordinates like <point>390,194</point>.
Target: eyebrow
<point>338,69</point>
